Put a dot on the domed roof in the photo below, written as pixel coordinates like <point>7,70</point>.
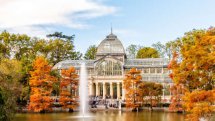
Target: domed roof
<point>110,45</point>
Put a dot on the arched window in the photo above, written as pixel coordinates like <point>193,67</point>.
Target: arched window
<point>108,68</point>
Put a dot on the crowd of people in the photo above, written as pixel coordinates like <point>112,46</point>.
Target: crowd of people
<point>107,102</point>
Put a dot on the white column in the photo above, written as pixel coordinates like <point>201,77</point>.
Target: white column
<point>104,90</point>
<point>97,89</point>
<point>118,90</point>
<point>123,92</point>
<point>91,89</point>
<point>111,90</point>
<point>163,91</point>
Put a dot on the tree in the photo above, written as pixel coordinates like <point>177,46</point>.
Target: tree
<point>147,52</point>
<point>5,45</point>
<point>41,83</point>
<point>91,53</point>
<point>41,47</point>
<point>68,88</point>
<point>18,46</point>
<point>187,39</point>
<point>25,49</point>
<point>171,47</point>
<point>133,86</point>
<point>132,50</point>
<point>62,48</point>
<point>199,104</point>
<point>60,35</point>
<point>178,92</point>
<point>160,48</point>
<point>192,66</point>
<point>152,92</point>
<point>10,74</point>
<point>55,50</point>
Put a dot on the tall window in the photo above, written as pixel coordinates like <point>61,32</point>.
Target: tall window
<point>152,70</point>
<point>159,70</point>
<point>109,68</point>
<point>145,70</point>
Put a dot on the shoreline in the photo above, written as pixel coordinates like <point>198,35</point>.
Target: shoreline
<point>102,108</point>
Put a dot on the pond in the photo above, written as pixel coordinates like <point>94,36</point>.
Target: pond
<point>103,116</point>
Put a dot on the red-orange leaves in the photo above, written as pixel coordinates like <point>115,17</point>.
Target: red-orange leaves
<point>41,86</point>
<point>178,92</point>
<point>132,84</point>
<point>199,104</point>
<point>193,68</point>
<point>69,88</point>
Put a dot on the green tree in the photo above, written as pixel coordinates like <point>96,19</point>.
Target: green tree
<point>187,39</point>
<point>147,52</point>
<point>132,51</point>
<point>91,53</point>
<point>160,48</point>
<point>5,45</point>
<point>18,46</point>
<point>10,74</point>
<point>62,48</point>
<point>60,35</point>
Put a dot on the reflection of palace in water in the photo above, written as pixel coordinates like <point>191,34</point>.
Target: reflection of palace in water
<point>106,72</point>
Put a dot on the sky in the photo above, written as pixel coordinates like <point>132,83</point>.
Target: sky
<point>140,22</point>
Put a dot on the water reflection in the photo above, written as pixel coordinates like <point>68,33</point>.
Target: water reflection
<point>103,116</point>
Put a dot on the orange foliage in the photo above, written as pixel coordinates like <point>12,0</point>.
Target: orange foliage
<point>152,92</point>
<point>178,92</point>
<point>132,84</point>
<point>193,67</point>
<point>41,86</point>
<point>68,88</point>
<point>199,104</point>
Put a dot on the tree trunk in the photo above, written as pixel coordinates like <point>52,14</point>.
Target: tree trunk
<point>71,110</point>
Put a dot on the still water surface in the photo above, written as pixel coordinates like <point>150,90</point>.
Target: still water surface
<point>103,116</point>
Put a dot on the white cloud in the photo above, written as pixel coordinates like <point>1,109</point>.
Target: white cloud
<point>26,15</point>
<point>32,31</point>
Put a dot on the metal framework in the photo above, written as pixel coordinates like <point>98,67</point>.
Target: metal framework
<point>111,65</point>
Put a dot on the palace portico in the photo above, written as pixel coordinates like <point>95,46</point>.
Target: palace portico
<point>106,89</point>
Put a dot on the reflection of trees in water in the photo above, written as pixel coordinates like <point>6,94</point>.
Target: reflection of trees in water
<point>104,116</point>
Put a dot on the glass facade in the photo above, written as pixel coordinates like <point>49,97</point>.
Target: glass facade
<point>108,68</point>
<point>107,71</point>
<point>110,44</point>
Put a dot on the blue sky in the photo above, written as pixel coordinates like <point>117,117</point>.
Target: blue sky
<point>140,22</point>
